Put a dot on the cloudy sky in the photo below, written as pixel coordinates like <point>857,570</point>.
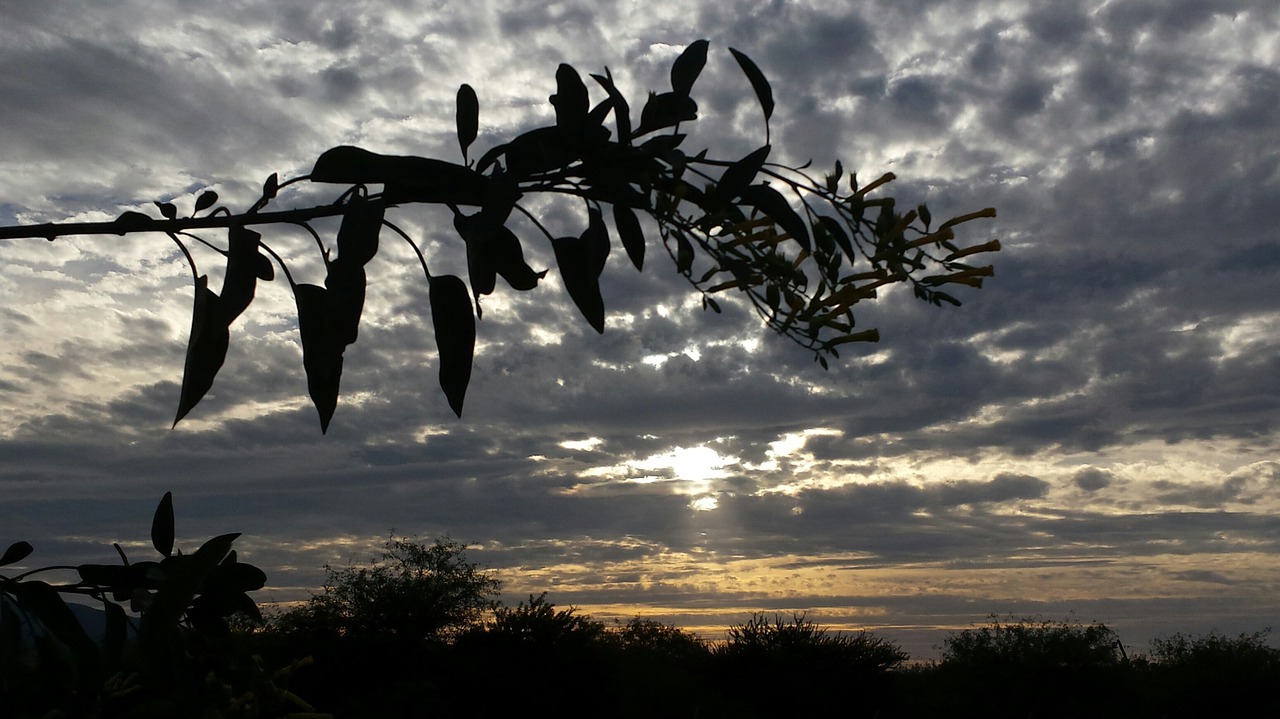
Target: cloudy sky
<point>1095,432</point>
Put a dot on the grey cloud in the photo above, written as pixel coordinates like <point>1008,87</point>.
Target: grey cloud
<point>1092,479</point>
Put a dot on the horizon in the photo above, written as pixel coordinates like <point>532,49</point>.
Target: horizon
<point>1094,434</point>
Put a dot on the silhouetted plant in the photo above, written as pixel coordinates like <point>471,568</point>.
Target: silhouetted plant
<point>1215,675</point>
<point>537,623</point>
<point>801,250</point>
<point>834,673</point>
<point>1034,666</point>
<point>798,639</point>
<point>1032,642</point>
<point>416,592</point>
<point>173,656</point>
<point>665,641</point>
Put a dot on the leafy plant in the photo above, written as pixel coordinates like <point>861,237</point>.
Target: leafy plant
<point>799,249</point>
<point>417,592</point>
<point>170,653</point>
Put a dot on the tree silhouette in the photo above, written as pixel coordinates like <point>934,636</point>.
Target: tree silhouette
<point>801,250</point>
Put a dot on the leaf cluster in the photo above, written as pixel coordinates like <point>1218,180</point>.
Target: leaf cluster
<point>167,647</point>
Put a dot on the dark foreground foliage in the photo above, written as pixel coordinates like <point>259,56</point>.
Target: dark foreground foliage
<point>420,633</point>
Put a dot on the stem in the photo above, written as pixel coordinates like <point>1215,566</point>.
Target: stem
<point>52,230</point>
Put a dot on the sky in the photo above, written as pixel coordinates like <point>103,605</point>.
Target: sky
<point>1094,434</point>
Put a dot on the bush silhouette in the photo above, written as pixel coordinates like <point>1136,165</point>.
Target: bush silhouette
<point>415,593</point>
<point>1215,675</point>
<point>833,674</point>
<point>1038,667</point>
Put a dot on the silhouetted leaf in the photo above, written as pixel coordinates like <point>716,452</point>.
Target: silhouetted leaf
<point>271,187</point>
<point>232,577</point>
<point>321,357</point>
<point>764,93</point>
<point>687,67</point>
<point>665,110</point>
<point>404,178</point>
<point>206,349</point>
<point>130,221</point>
<point>628,226</point>
<point>775,206</point>
<point>162,530</point>
<point>16,552</point>
<point>833,227</point>
<point>454,320</point>
<point>738,176</point>
<point>243,266</point>
<point>357,244</point>
<point>493,249</point>
<point>571,101</point>
<point>262,268</point>
<point>580,262</point>
<point>544,149</point>
<point>205,201</point>
<point>684,254</point>
<point>596,238</point>
<point>468,117</point>
<point>925,216</point>
<point>168,209</point>
<point>621,110</point>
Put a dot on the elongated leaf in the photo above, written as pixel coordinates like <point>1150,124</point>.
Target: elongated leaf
<point>162,530</point>
<point>764,93</point>
<point>205,200</point>
<point>243,266</point>
<point>346,280</point>
<point>628,226</point>
<point>468,118</point>
<point>772,203</point>
<point>231,577</point>
<point>16,552</point>
<point>687,67</point>
<point>738,176</point>
<point>321,356</point>
<point>596,238</point>
<point>508,261</point>
<point>206,349</point>
<point>578,259</point>
<point>405,178</point>
<point>833,227</point>
<point>621,110</point>
<point>571,101</point>
<point>665,110</point>
<point>684,254</point>
<point>454,320</point>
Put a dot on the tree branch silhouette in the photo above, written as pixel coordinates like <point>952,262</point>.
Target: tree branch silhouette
<point>802,251</point>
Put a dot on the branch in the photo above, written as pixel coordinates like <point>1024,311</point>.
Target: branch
<point>803,252</point>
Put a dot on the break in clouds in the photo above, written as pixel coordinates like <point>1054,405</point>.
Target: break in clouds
<point>1094,431</point>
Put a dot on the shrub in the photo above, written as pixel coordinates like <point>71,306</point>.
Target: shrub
<point>1215,675</point>
<point>828,673</point>
<point>1035,667</point>
<point>416,592</point>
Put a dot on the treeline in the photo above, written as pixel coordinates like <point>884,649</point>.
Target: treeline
<point>420,632</point>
